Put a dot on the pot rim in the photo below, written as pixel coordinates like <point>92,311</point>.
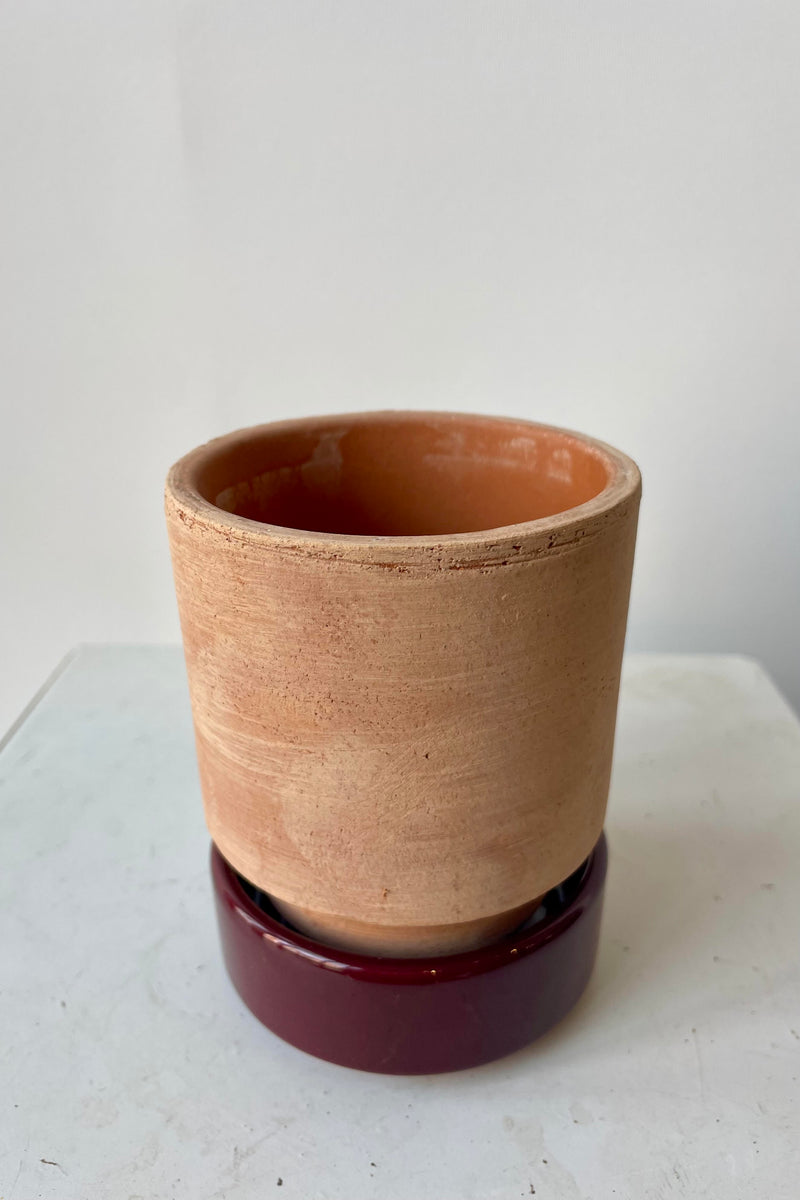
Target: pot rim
<point>562,904</point>
<point>549,533</point>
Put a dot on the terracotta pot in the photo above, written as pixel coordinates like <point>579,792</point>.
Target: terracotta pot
<point>403,636</point>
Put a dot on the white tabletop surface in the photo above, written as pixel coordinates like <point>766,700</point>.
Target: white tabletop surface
<point>130,1070</point>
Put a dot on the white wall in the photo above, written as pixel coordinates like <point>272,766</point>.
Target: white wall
<point>213,214</point>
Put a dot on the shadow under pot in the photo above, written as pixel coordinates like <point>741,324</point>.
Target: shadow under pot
<point>403,637</point>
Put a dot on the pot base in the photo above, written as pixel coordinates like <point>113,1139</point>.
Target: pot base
<point>412,1016</point>
<point>393,941</point>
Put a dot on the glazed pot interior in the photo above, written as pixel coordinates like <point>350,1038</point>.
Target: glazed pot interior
<point>401,475</point>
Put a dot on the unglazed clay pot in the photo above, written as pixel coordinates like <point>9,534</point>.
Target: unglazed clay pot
<point>403,635</point>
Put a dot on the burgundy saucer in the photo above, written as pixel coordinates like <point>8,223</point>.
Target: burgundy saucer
<point>412,1016</point>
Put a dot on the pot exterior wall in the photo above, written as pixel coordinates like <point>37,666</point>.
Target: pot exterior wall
<point>404,751</point>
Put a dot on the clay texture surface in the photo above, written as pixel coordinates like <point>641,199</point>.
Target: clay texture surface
<point>404,714</point>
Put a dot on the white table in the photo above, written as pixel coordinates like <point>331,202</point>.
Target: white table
<point>130,1069</point>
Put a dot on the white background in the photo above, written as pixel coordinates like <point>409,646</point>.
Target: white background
<point>214,214</point>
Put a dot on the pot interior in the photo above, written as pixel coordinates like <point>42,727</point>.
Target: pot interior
<point>401,475</point>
